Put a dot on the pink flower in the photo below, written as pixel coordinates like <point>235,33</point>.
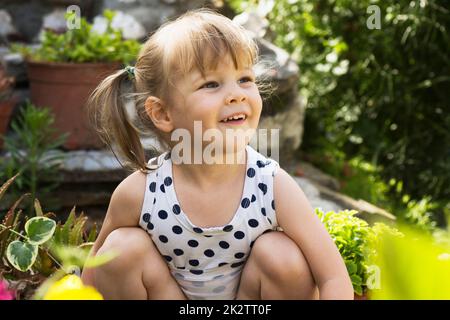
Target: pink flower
<point>5,294</point>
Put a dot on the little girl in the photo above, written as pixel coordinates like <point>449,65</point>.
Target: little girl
<point>200,230</point>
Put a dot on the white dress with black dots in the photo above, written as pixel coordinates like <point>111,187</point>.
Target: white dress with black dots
<point>207,262</point>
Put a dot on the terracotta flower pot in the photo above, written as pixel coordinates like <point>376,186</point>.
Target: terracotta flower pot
<point>65,88</point>
<point>6,109</point>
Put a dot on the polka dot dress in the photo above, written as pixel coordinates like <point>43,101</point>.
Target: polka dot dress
<point>207,262</point>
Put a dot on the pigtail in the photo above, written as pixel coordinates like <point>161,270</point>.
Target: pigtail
<point>108,115</point>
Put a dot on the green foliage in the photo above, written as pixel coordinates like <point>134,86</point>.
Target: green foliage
<point>84,45</point>
<point>47,248</point>
<point>413,267</point>
<point>22,254</point>
<point>355,240</point>
<point>381,94</point>
<point>33,154</point>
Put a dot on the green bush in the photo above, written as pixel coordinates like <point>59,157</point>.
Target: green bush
<point>357,242</point>
<point>382,94</point>
<point>84,45</point>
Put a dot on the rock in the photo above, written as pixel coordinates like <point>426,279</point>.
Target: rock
<point>55,21</point>
<point>7,28</point>
<point>126,23</point>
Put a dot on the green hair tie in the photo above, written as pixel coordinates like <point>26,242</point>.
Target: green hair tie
<point>130,72</point>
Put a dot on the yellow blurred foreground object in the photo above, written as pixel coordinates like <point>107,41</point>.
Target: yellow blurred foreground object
<point>413,267</point>
<point>71,288</point>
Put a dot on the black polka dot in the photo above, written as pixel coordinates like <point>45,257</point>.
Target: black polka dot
<point>263,211</point>
<point>209,253</point>
<point>198,230</point>
<point>222,264</point>
<point>152,187</point>
<point>194,262</point>
<point>262,187</point>
<point>198,283</point>
<point>176,209</point>
<point>270,221</point>
<point>193,243</point>
<point>228,228</point>
<point>162,188</point>
<point>253,223</point>
<point>196,271</point>
<point>273,204</point>
<point>251,172</point>
<point>207,236</point>
<point>253,198</point>
<point>245,203</point>
<point>168,258</point>
<point>178,252</point>
<point>260,164</point>
<point>239,255</point>
<point>237,264</point>
<point>224,244</point>
<point>177,229</point>
<point>150,226</point>
<point>219,289</point>
<point>163,239</point>
<point>239,235</point>
<point>162,214</point>
<point>154,200</point>
<point>168,181</point>
<point>146,217</point>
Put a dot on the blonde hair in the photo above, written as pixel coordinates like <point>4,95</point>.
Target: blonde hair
<point>176,48</point>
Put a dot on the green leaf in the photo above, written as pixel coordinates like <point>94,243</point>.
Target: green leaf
<point>21,255</point>
<point>40,229</point>
<point>38,208</point>
<point>67,227</point>
<point>98,260</point>
<point>351,267</point>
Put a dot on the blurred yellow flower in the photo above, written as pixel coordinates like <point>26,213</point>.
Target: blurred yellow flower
<point>71,288</point>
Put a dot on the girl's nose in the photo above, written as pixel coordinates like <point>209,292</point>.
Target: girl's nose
<point>236,96</point>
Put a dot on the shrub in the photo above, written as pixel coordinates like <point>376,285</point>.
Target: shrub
<point>382,94</point>
<point>356,241</point>
<point>84,45</point>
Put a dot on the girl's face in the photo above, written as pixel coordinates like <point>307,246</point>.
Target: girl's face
<point>223,93</point>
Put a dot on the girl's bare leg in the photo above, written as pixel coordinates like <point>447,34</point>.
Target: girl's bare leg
<point>276,269</point>
<point>138,273</point>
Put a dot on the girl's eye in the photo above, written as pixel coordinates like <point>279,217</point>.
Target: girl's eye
<point>246,79</point>
<point>209,85</point>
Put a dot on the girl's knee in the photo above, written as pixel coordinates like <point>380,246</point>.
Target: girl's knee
<point>130,245</point>
<point>279,257</point>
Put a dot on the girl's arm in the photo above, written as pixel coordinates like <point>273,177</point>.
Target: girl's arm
<point>298,220</point>
<point>123,211</point>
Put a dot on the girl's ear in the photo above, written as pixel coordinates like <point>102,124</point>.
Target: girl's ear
<point>157,112</point>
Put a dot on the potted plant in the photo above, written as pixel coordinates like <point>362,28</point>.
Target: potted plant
<point>7,101</point>
<point>67,67</point>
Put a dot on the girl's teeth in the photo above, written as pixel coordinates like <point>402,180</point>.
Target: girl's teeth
<point>234,118</point>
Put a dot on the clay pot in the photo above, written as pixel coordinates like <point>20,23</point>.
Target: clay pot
<point>65,88</point>
<point>6,109</point>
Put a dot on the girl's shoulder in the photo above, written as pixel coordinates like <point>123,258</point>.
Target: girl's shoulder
<point>127,198</point>
<point>265,166</point>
